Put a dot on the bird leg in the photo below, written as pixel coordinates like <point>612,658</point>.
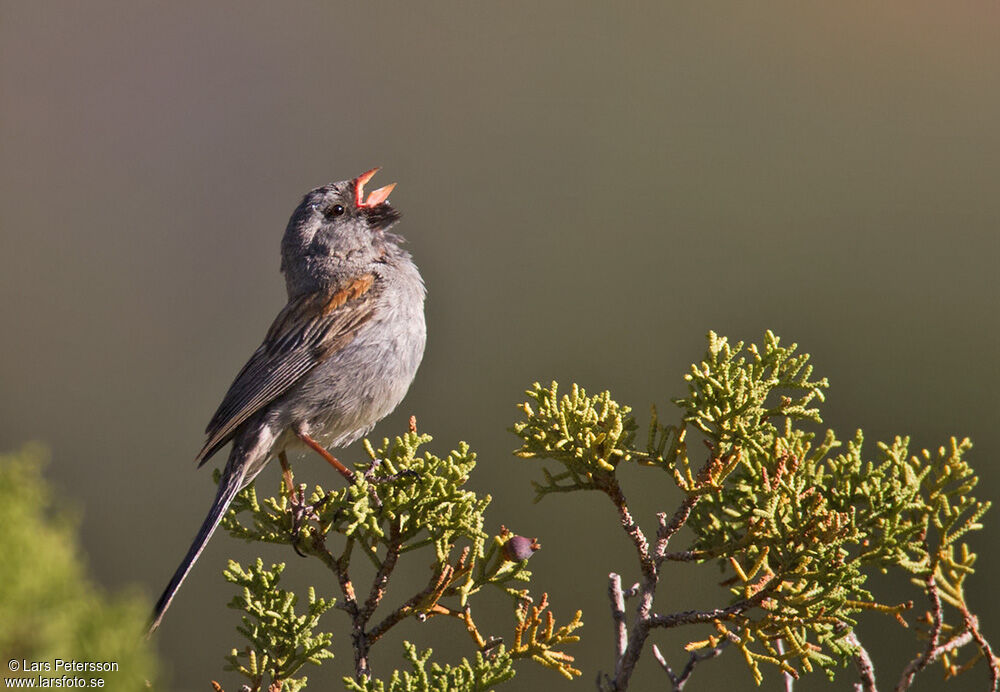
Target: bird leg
<point>286,472</point>
<point>332,460</point>
<point>296,502</point>
<point>348,474</point>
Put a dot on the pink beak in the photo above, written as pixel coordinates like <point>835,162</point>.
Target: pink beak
<point>375,197</point>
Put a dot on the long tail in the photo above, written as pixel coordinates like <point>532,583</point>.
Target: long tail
<point>229,485</point>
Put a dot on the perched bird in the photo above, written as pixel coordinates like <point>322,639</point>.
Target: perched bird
<point>338,357</point>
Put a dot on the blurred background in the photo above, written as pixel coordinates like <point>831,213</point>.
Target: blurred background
<point>587,189</point>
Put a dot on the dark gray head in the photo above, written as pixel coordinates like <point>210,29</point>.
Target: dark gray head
<point>335,233</point>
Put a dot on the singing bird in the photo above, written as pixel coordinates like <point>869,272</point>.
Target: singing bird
<point>339,356</point>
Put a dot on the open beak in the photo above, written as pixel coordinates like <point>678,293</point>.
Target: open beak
<point>375,197</point>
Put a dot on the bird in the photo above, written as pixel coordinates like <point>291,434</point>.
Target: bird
<point>339,357</point>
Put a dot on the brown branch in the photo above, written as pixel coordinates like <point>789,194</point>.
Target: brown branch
<point>691,617</point>
<point>862,661</point>
<point>629,525</point>
<point>381,580</point>
<point>937,617</point>
<point>471,628</point>
<point>785,675</point>
<point>359,641</point>
<point>970,634</point>
<point>696,657</point>
<point>617,598</point>
<point>334,564</point>
<point>435,587</point>
<point>911,669</point>
<point>465,616</point>
<point>625,662</point>
<point>937,620</point>
<point>687,555</point>
<point>626,657</point>
<point>668,529</point>
<point>972,626</point>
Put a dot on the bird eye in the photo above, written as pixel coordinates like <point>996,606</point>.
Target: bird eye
<point>336,210</point>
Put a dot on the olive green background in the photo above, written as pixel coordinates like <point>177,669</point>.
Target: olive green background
<point>588,188</point>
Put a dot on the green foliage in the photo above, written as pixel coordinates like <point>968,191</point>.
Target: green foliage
<point>280,641</point>
<point>424,500</point>
<point>483,673</point>
<point>588,435</point>
<point>796,518</point>
<point>417,501</point>
<point>535,637</point>
<point>798,524</point>
<point>49,607</point>
<point>732,397</point>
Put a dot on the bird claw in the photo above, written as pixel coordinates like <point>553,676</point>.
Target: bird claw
<point>370,476</point>
<point>300,511</point>
<point>376,481</point>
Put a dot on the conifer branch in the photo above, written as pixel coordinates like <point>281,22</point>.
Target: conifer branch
<point>799,519</point>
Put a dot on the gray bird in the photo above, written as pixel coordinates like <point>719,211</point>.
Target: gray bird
<point>339,356</point>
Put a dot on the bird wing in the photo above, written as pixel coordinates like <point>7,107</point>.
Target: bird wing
<point>305,333</point>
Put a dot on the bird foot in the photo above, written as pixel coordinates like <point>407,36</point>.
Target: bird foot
<point>370,476</point>
<point>301,512</point>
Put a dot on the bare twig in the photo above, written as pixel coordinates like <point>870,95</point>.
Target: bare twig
<point>937,618</point>
<point>788,679</point>
<point>912,668</point>
<point>629,525</point>
<point>381,580</point>
<point>625,660</point>
<point>972,626</point>
<point>629,644</point>
<point>668,529</point>
<point>933,650</point>
<point>427,599</point>
<point>359,615</point>
<point>617,599</point>
<point>696,657</point>
<point>862,661</point>
<point>686,556</point>
<point>691,617</point>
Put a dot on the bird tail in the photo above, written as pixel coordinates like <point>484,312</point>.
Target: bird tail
<point>230,484</point>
